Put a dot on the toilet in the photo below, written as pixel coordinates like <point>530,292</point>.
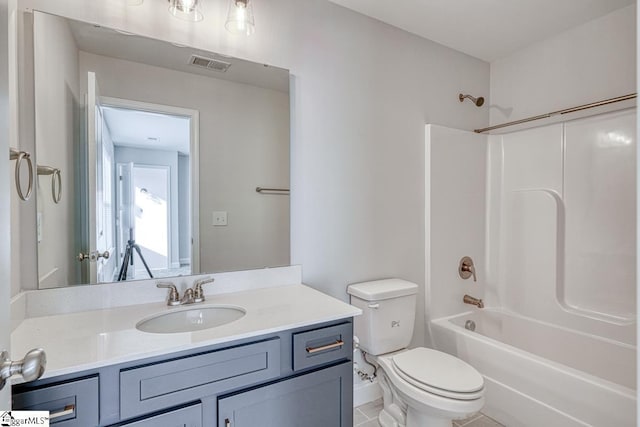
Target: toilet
<point>421,387</point>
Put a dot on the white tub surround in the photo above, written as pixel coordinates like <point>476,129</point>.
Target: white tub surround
<point>82,340</point>
<point>552,237</point>
<point>539,373</point>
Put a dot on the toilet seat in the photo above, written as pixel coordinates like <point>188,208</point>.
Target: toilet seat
<point>439,373</point>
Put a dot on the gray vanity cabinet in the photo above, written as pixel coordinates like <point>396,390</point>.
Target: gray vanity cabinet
<point>297,378</point>
<point>70,404</point>
<point>164,384</point>
<point>320,399</point>
<point>183,417</point>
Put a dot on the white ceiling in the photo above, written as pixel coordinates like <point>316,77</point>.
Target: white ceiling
<point>142,129</point>
<point>486,29</point>
<point>107,42</point>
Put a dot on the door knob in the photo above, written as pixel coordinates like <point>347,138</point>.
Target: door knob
<point>93,256</point>
<point>31,367</point>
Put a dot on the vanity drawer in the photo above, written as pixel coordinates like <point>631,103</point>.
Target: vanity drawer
<point>71,404</point>
<point>156,386</point>
<point>190,416</point>
<point>321,346</point>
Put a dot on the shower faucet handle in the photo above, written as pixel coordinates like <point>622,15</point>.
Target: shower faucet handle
<point>466,268</point>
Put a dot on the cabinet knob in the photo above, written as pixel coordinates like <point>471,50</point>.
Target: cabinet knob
<point>31,367</point>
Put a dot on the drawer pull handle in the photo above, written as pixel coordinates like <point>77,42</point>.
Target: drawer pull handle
<point>68,410</point>
<point>336,344</point>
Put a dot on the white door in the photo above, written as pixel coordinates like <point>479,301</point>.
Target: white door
<point>100,176</point>
<point>5,188</point>
<point>125,212</point>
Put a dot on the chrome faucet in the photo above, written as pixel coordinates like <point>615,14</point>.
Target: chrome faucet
<point>468,299</point>
<point>187,297</point>
<point>198,294</point>
<point>191,295</point>
<point>174,296</point>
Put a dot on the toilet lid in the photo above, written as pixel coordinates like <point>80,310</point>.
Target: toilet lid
<point>439,373</point>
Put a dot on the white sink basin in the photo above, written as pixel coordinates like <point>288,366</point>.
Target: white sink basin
<point>190,319</point>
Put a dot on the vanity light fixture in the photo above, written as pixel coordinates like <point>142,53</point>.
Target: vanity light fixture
<point>189,10</point>
<point>240,18</point>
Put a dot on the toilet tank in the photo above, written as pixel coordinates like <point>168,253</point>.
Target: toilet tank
<point>388,314</point>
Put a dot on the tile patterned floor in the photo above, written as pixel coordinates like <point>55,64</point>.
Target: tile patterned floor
<point>367,416</point>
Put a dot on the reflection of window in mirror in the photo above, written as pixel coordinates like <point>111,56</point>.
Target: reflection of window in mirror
<point>235,138</point>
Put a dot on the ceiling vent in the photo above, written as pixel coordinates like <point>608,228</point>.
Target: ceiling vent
<point>210,63</point>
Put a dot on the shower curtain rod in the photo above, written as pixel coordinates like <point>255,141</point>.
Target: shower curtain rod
<point>560,112</point>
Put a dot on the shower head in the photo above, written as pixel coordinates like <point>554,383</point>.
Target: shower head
<point>478,101</point>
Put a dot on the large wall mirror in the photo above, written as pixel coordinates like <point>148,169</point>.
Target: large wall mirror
<point>150,157</point>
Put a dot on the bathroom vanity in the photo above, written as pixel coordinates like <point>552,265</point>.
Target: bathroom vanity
<point>286,362</point>
<point>275,379</point>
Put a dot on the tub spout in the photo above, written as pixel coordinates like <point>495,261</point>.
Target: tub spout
<point>468,299</point>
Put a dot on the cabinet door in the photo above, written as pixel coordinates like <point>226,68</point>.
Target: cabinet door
<point>185,417</point>
<point>322,398</point>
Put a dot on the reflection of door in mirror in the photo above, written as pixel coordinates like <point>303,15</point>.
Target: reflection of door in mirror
<point>101,220</point>
<point>152,179</point>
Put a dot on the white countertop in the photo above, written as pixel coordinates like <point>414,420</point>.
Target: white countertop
<point>79,341</point>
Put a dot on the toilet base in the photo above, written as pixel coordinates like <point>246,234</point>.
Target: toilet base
<point>386,420</point>
<point>418,419</point>
<point>413,419</point>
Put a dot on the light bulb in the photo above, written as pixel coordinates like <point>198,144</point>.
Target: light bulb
<point>188,10</point>
<point>240,18</point>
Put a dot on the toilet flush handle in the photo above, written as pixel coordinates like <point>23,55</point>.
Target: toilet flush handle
<point>374,305</point>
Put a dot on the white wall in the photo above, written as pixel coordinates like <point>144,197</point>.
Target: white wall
<point>362,93</point>
<point>57,128</point>
<point>455,217</point>
<point>244,144</point>
<point>593,61</point>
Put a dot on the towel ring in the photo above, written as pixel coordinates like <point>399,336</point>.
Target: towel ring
<point>56,181</point>
<point>19,156</point>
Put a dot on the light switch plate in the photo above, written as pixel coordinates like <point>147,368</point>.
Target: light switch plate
<point>219,218</point>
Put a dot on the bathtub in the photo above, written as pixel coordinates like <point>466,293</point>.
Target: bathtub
<point>537,374</point>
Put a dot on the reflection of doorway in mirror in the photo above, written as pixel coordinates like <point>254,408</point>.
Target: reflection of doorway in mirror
<point>153,179</point>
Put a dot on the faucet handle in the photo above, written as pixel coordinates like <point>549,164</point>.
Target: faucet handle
<point>467,269</point>
<point>198,294</point>
<point>174,296</point>
<point>188,298</point>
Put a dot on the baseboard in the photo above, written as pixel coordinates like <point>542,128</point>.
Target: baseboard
<point>366,392</point>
